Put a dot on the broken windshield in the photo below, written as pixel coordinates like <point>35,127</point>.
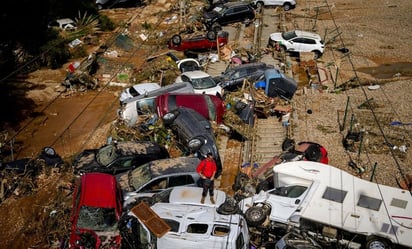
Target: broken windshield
<point>106,155</point>
<point>97,219</point>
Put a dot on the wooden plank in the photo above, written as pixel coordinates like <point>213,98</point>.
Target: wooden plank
<point>150,219</point>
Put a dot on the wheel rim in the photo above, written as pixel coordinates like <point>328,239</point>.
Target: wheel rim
<point>255,214</point>
<point>377,245</point>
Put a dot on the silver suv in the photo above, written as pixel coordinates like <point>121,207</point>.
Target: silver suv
<point>286,4</point>
<point>298,41</point>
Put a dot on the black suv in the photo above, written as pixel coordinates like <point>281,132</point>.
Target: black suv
<point>194,133</point>
<point>228,13</point>
<point>232,78</point>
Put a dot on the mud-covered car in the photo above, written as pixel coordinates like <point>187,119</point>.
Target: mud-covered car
<point>156,176</point>
<point>118,157</point>
<point>233,77</point>
<point>199,41</point>
<point>194,134</point>
<point>97,207</point>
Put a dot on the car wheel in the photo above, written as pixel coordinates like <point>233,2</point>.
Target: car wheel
<point>287,6</point>
<point>228,207</point>
<point>247,21</point>
<point>176,40</point>
<point>211,35</point>
<point>259,5</point>
<point>255,216</point>
<point>240,181</point>
<point>317,54</point>
<point>216,27</point>
<point>377,243</point>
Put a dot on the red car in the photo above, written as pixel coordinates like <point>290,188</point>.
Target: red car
<point>198,42</point>
<point>209,106</point>
<point>97,207</point>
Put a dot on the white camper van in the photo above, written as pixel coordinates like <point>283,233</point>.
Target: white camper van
<point>334,204</point>
<point>171,225</point>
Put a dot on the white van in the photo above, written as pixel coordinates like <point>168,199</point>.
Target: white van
<point>335,204</point>
<point>189,226</point>
<point>145,103</point>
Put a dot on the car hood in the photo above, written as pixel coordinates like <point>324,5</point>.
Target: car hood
<point>276,37</point>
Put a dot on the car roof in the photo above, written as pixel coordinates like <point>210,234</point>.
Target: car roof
<point>196,74</point>
<point>231,4</point>
<point>301,33</point>
<point>135,147</point>
<point>175,87</point>
<point>173,165</point>
<point>196,213</point>
<point>98,190</point>
<point>190,195</point>
<point>146,87</point>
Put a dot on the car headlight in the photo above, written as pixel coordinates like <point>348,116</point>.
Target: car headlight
<point>194,144</point>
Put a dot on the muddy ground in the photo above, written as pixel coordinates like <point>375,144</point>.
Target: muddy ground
<point>378,36</point>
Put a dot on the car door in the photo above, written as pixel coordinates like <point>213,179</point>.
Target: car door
<point>301,44</point>
<point>285,201</point>
<point>307,45</point>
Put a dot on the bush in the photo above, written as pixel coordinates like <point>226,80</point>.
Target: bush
<point>106,24</point>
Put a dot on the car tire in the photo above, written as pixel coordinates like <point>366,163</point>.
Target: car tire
<point>374,242</point>
<point>287,6</point>
<point>255,216</point>
<point>216,27</point>
<point>211,35</point>
<point>176,40</point>
<point>316,54</point>
<point>228,207</point>
<point>240,181</point>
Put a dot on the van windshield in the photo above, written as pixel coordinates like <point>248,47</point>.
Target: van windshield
<point>293,191</point>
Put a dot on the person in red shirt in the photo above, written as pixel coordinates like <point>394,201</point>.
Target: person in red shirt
<point>207,170</point>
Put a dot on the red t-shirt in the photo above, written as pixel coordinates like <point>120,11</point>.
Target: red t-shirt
<point>207,168</point>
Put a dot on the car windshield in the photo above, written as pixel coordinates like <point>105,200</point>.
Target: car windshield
<point>229,74</point>
<point>139,176</point>
<point>106,155</point>
<point>289,35</point>
<point>133,92</point>
<point>97,219</point>
<point>203,83</point>
<point>289,191</point>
